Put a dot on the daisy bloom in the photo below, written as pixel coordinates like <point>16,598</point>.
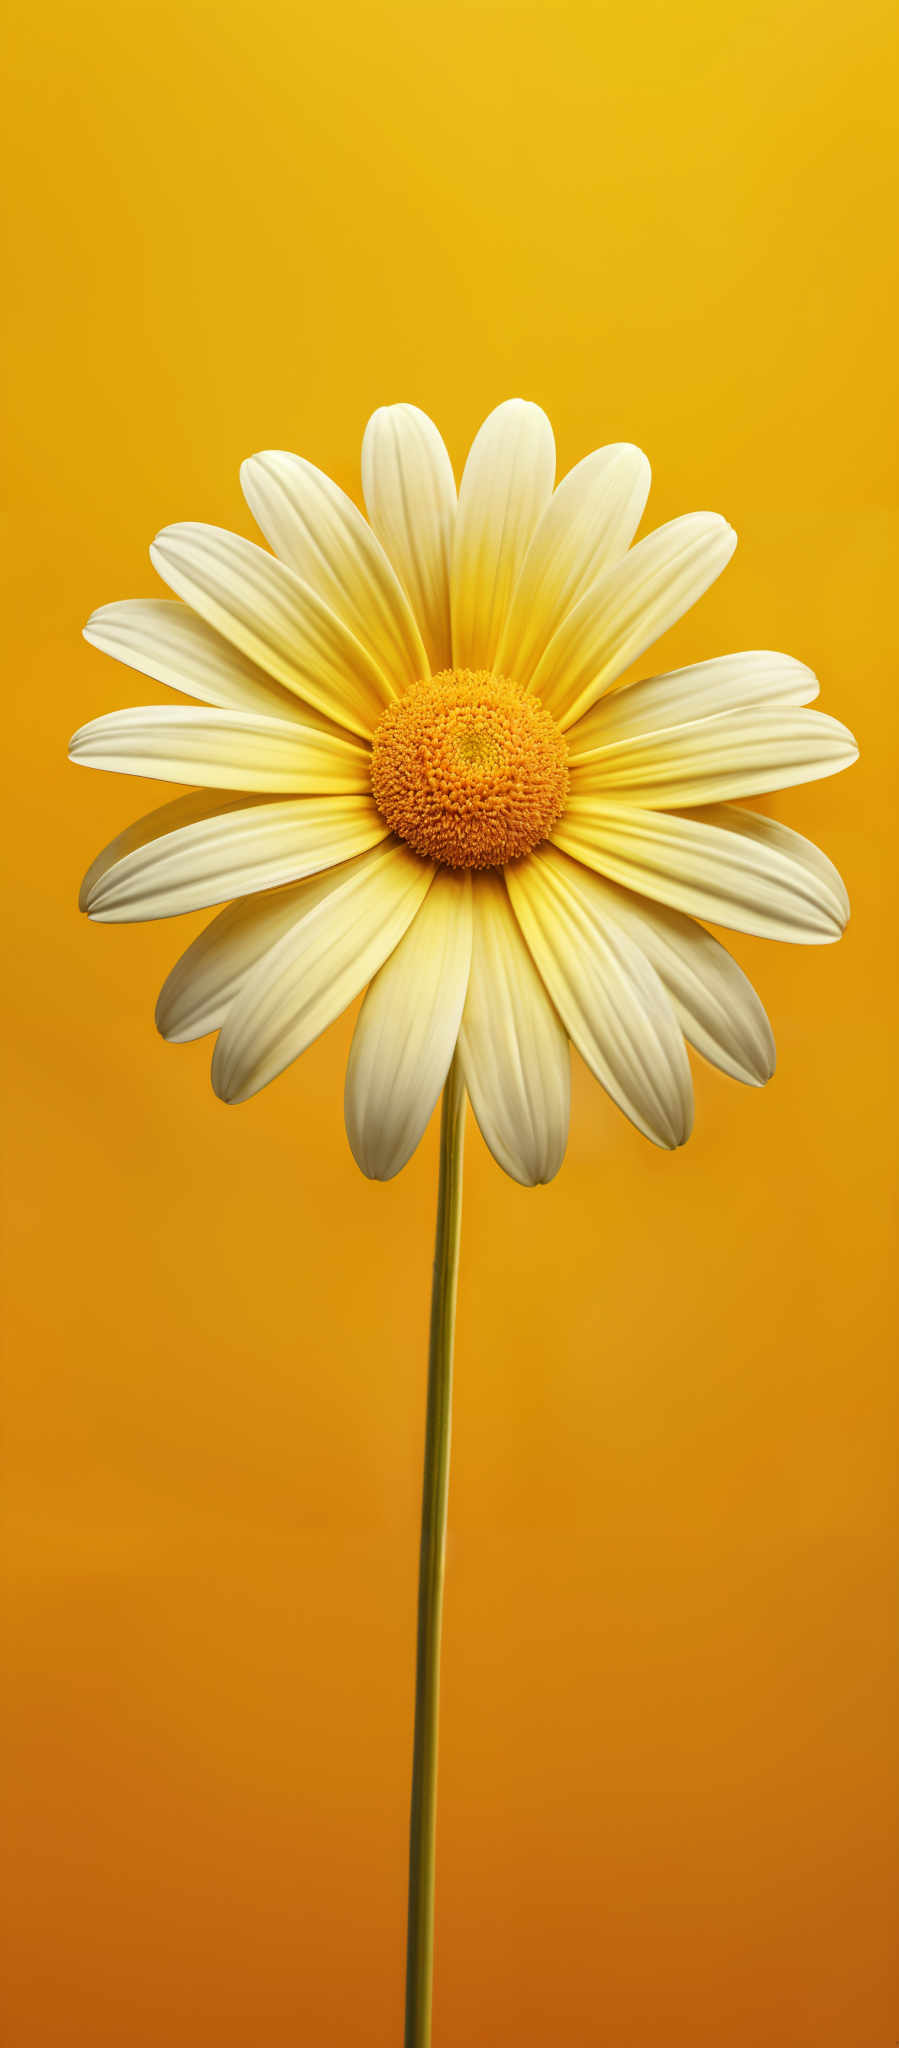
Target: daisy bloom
<point>413,769</point>
<point>415,772</point>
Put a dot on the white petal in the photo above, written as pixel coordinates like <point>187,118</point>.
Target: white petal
<point>513,1048</point>
<point>710,866</point>
<point>716,1006</point>
<point>223,750</point>
<point>610,1000</point>
<point>197,995</point>
<point>279,621</point>
<point>506,485</point>
<point>162,638</point>
<point>589,522</point>
<point>732,682</point>
<point>256,846</point>
<point>710,760</point>
<point>185,810</point>
<point>316,969</point>
<point>410,497</point>
<point>314,527</point>
<point>406,1031</point>
<point>629,606</point>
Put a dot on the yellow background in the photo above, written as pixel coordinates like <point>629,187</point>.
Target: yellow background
<point>668,1769</point>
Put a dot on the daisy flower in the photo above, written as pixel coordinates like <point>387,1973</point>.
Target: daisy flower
<point>415,770</point>
<point>414,767</point>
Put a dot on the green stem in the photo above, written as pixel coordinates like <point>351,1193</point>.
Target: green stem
<point>420,1941</point>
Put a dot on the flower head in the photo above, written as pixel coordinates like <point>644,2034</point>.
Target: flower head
<point>414,767</point>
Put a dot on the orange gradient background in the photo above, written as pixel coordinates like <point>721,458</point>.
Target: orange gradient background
<point>668,1772</point>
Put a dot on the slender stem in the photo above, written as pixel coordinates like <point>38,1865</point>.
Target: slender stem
<point>420,1941</point>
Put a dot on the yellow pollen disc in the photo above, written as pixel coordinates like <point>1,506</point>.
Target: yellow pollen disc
<point>469,770</point>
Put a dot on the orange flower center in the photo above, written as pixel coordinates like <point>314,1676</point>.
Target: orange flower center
<point>469,770</point>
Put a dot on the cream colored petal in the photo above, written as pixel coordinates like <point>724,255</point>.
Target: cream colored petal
<point>275,619</point>
<point>609,998</point>
<point>769,833</point>
<point>410,497</point>
<point>190,809</point>
<point>197,995</point>
<point>407,1028</point>
<point>512,1046</point>
<point>630,605</point>
<point>711,760</point>
<point>317,530</point>
<point>716,1006</point>
<point>223,750</point>
<point>162,638</point>
<point>305,981</point>
<point>708,866</point>
<point>589,522</point>
<point>506,485</point>
<point>732,682</point>
<point>257,846</point>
